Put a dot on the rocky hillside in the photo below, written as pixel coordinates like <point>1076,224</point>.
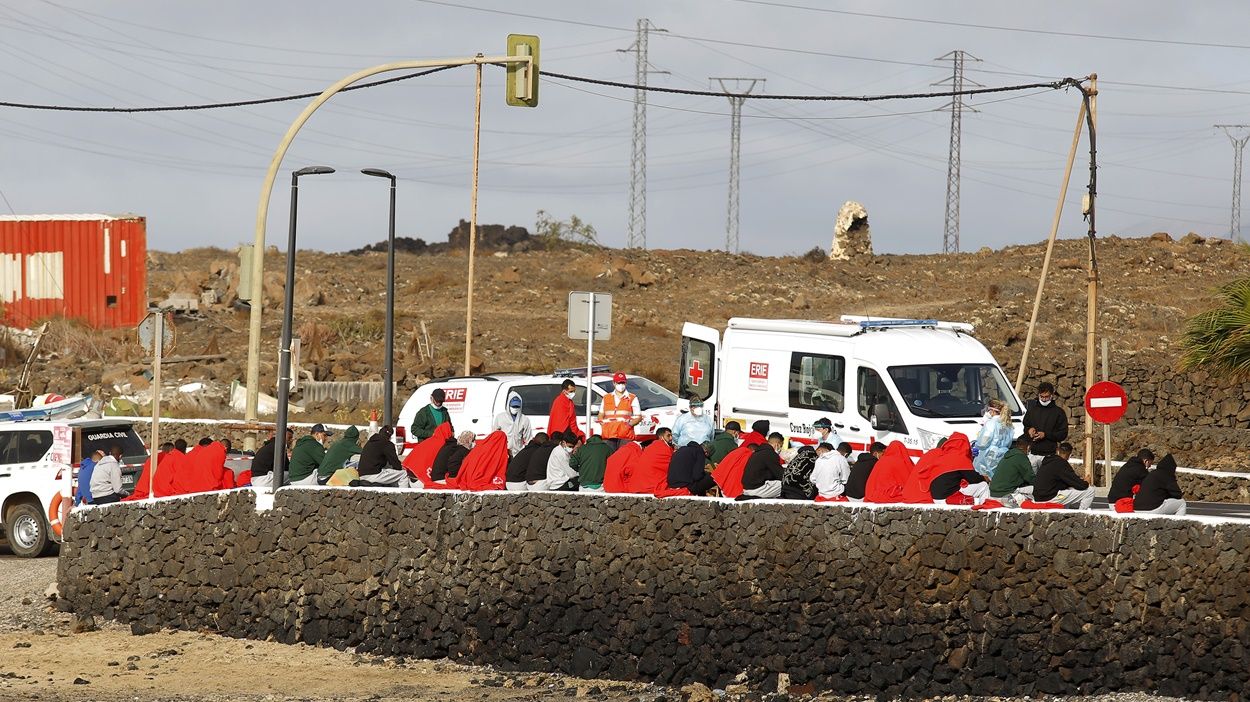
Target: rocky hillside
<point>1150,286</point>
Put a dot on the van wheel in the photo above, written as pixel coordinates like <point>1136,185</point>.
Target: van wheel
<point>27,531</point>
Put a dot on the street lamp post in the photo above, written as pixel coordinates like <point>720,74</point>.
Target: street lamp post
<point>284,348</point>
<point>388,390</point>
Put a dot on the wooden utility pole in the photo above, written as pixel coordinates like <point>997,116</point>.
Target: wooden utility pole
<point>477,138</point>
<point>1091,308</point>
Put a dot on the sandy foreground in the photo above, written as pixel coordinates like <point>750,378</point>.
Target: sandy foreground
<point>111,664</point>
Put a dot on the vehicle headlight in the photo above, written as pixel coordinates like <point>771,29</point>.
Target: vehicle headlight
<point>928,439</point>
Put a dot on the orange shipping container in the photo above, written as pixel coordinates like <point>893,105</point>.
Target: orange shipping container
<point>91,267</point>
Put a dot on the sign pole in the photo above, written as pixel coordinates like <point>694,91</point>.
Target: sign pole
<point>1106,428</point>
<point>158,348</point>
<point>590,351</point>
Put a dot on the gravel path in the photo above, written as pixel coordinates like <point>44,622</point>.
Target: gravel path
<point>23,605</point>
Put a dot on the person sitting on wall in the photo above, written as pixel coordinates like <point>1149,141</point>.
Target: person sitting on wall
<point>1013,478</point>
<point>857,482</point>
<point>450,456</point>
<point>798,476</point>
<point>762,475</point>
<point>831,474</point>
<point>1057,482</point>
<point>536,470</point>
<point>379,463</point>
<point>1160,493</point>
<point>1130,476</point>
<point>688,468</point>
<point>520,463</point>
<point>561,476</point>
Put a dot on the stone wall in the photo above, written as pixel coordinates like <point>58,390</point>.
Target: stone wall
<point>895,601</point>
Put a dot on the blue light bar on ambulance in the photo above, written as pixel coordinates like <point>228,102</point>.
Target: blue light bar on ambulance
<point>580,372</point>
<point>866,323</point>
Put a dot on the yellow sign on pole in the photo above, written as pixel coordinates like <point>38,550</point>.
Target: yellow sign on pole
<point>522,88</point>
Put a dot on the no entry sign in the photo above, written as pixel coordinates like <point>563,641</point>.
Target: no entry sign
<point>1106,402</point>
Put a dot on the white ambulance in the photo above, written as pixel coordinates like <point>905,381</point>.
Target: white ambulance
<point>473,401</point>
<point>877,379</point>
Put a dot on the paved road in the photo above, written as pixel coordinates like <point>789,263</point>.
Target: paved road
<point>1203,509</point>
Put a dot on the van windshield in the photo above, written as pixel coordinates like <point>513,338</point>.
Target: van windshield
<point>649,394</point>
<point>952,389</point>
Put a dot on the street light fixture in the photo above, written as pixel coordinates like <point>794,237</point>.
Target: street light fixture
<point>388,389</point>
<point>284,348</point>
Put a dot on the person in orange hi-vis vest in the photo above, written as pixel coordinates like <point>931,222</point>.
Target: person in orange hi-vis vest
<point>619,413</point>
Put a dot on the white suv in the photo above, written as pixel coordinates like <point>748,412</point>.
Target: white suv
<point>34,458</point>
<point>474,401</point>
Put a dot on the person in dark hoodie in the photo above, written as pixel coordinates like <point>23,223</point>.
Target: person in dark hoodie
<point>1045,423</point>
<point>514,476</point>
<point>450,456</point>
<point>1160,493</point>
<point>536,470</point>
<point>687,468</point>
<point>1130,476</point>
<point>1057,482</point>
<point>338,454</point>
<point>762,475</point>
<point>379,464</point>
<point>860,471</point>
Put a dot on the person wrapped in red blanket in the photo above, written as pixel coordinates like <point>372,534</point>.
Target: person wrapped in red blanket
<point>205,470</point>
<point>946,473</point>
<point>888,475</point>
<point>420,460</point>
<point>485,466</point>
<point>168,463</point>
<point>728,473</point>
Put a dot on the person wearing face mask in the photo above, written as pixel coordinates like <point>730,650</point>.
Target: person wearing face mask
<point>619,413</point>
<point>431,416</point>
<point>694,426</point>
<point>560,474</point>
<point>563,416</point>
<point>823,433</point>
<point>1045,424</point>
<point>725,441</point>
<point>514,423</point>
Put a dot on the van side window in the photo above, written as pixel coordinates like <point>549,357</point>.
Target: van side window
<point>34,445</point>
<point>817,382</point>
<point>875,402</point>
<point>536,399</point>
<point>9,448</point>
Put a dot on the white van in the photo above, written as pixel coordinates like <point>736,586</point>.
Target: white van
<point>37,456</point>
<point>473,401</point>
<point>915,381</point>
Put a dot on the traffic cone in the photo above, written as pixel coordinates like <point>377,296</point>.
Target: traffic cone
<point>373,422</point>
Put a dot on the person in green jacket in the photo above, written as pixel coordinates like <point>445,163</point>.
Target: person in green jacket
<point>1013,478</point>
<point>338,454</point>
<point>431,416</point>
<point>725,441</point>
<point>307,455</point>
<point>591,462</point>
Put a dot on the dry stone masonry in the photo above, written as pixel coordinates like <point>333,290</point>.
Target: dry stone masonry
<point>894,601</point>
<point>851,236</point>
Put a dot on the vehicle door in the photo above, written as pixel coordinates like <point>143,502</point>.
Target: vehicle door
<point>105,437</point>
<point>700,351</point>
<point>817,389</point>
<point>877,414</point>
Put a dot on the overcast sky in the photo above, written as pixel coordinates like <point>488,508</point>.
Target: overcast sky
<point>196,176</point>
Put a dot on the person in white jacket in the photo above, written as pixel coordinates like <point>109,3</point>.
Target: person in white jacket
<point>513,422</point>
<point>106,478</point>
<point>560,475</point>
<point>831,471</point>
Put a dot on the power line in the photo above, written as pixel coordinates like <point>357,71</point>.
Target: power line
<point>6,202</point>
<point>638,162</point>
<point>1000,28</point>
<point>1234,134</point>
<point>215,105</point>
<point>736,98</point>
<point>950,232</point>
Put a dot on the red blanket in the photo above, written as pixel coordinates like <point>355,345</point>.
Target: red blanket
<point>955,454</point>
<point>885,484</point>
<point>648,473</point>
<point>167,464</point>
<point>616,475</point>
<point>205,470</point>
<point>484,467</point>
<point>563,417</point>
<point>420,459</point>
<point>728,473</point>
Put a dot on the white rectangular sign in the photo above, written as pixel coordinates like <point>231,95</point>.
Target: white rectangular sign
<point>579,315</point>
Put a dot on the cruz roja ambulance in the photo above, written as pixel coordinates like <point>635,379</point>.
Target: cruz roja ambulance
<point>876,379</point>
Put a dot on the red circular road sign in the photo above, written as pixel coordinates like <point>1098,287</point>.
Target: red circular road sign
<point>1106,402</point>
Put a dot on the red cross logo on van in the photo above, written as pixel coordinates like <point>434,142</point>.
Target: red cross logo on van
<point>695,373</point>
